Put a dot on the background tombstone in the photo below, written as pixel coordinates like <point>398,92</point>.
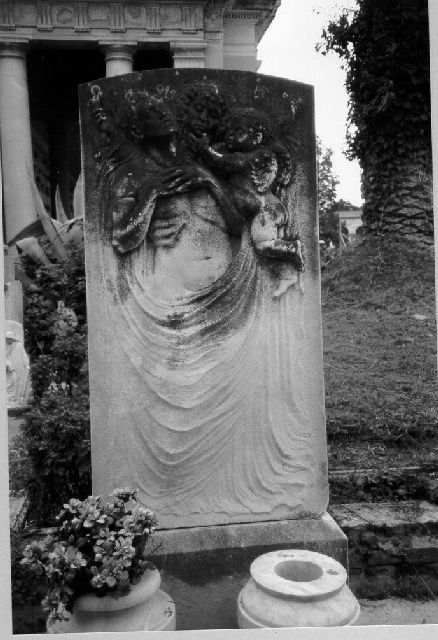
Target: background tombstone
<point>13,290</point>
<point>204,331</point>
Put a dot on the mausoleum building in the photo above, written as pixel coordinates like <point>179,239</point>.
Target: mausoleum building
<point>48,48</point>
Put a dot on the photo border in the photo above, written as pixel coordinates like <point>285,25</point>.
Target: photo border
<point>376,632</point>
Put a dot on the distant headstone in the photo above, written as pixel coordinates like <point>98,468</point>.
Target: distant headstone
<point>204,295</point>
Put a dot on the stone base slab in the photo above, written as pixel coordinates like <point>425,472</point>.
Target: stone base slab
<point>244,542</point>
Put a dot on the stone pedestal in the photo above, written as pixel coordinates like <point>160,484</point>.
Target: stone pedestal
<point>235,546</point>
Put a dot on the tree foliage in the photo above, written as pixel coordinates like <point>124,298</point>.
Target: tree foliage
<point>385,47</point>
<point>327,183</point>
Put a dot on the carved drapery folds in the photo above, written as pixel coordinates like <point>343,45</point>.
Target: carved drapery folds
<point>200,190</point>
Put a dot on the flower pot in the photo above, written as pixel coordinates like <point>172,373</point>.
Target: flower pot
<point>145,608</point>
<point>296,588</point>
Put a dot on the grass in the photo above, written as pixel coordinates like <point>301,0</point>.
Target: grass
<point>378,302</point>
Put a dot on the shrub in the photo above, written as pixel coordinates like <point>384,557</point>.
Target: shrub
<point>55,439</point>
<point>27,590</point>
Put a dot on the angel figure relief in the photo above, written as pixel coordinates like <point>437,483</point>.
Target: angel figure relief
<point>154,188</point>
<point>257,167</point>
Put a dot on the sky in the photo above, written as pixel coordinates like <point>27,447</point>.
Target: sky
<point>288,50</point>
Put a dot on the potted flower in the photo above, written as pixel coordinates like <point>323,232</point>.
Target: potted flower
<point>98,576</point>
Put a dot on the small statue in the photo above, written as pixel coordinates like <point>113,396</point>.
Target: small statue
<point>255,167</point>
<point>18,386</point>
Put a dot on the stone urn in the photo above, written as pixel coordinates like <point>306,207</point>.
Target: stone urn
<point>296,588</point>
<point>145,608</point>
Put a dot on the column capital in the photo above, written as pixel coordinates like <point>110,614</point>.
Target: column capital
<point>118,56</point>
<point>127,48</point>
<point>14,49</point>
<point>118,51</point>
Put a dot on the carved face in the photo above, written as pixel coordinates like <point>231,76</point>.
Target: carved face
<point>242,136</point>
<point>146,118</point>
<point>154,122</point>
<point>203,109</point>
<point>201,120</point>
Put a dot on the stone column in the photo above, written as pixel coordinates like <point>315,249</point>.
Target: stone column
<point>16,141</point>
<point>188,55</point>
<point>240,44</point>
<point>214,34</point>
<point>118,58</point>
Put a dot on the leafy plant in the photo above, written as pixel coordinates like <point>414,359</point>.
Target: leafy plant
<point>61,281</point>
<point>27,590</point>
<point>57,439</point>
<point>97,548</point>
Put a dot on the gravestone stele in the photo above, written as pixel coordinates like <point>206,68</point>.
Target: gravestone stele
<point>203,290</point>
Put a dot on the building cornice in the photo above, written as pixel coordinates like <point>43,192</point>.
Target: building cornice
<point>54,19</point>
<point>94,19</point>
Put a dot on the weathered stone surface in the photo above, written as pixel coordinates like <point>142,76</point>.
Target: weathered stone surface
<point>233,547</point>
<point>205,338</point>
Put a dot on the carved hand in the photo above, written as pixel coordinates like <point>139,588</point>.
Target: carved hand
<point>184,180</point>
<point>198,144</point>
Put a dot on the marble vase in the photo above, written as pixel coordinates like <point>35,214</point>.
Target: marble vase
<point>296,588</point>
<point>145,608</point>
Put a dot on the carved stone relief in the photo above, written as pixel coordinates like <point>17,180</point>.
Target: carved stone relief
<point>117,12</point>
<point>7,17</point>
<point>44,19</point>
<point>64,15</point>
<point>82,23</point>
<point>82,16</point>
<point>134,14</point>
<point>191,19</point>
<point>99,13</point>
<point>204,304</point>
<point>153,19</point>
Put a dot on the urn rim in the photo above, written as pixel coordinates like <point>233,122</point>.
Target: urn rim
<point>140,592</point>
<point>298,574</point>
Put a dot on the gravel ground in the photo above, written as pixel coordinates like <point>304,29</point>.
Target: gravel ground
<point>397,611</point>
